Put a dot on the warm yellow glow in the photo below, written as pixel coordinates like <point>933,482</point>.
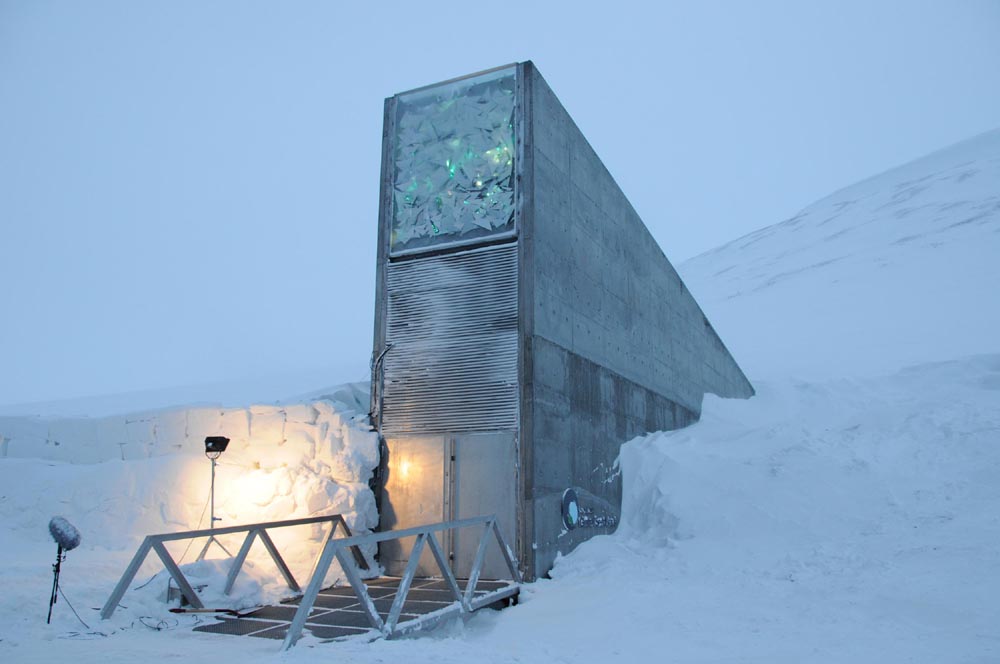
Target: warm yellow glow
<point>404,469</point>
<point>261,486</point>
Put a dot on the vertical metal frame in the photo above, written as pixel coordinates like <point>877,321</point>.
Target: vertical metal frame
<point>381,257</point>
<point>525,211</point>
<point>449,496</point>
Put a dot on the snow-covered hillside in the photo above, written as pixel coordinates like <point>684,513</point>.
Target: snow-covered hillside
<point>898,269</point>
<point>850,512</point>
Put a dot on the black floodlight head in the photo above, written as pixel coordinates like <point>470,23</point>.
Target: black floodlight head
<point>215,446</point>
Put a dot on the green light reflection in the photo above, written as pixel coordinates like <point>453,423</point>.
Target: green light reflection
<point>454,162</point>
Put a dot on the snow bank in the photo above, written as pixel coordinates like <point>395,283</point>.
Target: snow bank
<point>851,520</point>
<point>870,455</point>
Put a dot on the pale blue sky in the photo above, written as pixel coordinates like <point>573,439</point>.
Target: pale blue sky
<point>188,190</point>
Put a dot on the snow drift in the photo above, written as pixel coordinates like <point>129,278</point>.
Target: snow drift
<point>846,520</point>
<point>849,511</point>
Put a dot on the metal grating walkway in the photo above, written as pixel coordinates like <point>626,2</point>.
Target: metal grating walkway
<point>337,613</point>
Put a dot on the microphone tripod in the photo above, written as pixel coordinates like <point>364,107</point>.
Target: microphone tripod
<point>60,556</point>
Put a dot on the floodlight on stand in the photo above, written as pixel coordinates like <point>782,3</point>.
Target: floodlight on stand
<point>214,447</point>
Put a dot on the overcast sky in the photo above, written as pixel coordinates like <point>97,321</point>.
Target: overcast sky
<point>188,190</point>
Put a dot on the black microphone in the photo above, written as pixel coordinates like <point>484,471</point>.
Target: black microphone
<point>63,532</point>
<point>68,538</point>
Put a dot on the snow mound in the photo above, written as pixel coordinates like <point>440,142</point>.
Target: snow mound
<point>849,520</point>
<point>896,270</point>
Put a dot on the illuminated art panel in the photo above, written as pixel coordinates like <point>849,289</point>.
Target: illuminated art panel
<point>453,163</point>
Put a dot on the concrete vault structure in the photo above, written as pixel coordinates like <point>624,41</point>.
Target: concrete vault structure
<point>526,324</point>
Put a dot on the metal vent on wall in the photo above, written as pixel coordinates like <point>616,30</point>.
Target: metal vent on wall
<point>452,323</point>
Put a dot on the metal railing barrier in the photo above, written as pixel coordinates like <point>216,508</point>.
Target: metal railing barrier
<point>253,531</point>
<point>465,602</point>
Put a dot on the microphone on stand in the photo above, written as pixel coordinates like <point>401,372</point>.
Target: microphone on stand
<point>67,538</point>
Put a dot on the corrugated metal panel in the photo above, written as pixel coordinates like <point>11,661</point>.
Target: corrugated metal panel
<point>452,323</point>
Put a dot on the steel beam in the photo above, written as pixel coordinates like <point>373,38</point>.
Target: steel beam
<point>175,572</point>
<point>126,580</point>
<point>404,584</point>
<point>241,556</point>
<point>155,542</point>
<point>477,565</point>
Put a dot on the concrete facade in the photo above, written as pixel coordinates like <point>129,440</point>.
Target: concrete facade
<point>611,344</point>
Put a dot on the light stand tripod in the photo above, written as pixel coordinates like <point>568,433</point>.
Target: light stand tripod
<point>214,447</point>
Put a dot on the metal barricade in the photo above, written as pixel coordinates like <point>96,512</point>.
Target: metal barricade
<point>465,601</point>
<point>253,531</point>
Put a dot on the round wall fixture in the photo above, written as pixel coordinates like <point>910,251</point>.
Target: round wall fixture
<point>570,509</point>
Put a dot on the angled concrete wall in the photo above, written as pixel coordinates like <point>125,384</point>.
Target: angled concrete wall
<point>613,344</point>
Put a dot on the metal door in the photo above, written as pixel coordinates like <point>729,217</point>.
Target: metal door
<point>443,478</point>
<point>485,482</point>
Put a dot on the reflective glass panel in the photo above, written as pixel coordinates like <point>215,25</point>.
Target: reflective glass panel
<point>453,152</point>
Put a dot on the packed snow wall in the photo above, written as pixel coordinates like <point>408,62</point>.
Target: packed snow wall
<point>122,477</point>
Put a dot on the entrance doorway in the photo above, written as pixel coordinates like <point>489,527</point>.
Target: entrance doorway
<point>442,477</point>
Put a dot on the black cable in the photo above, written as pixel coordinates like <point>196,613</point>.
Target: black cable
<point>186,549</point>
<point>143,586</point>
<point>198,527</point>
<point>61,593</point>
<point>160,624</point>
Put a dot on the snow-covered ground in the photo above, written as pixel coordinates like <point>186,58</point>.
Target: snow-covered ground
<point>850,512</point>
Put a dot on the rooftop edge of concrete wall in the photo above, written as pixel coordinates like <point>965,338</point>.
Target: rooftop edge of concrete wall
<point>575,199</point>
